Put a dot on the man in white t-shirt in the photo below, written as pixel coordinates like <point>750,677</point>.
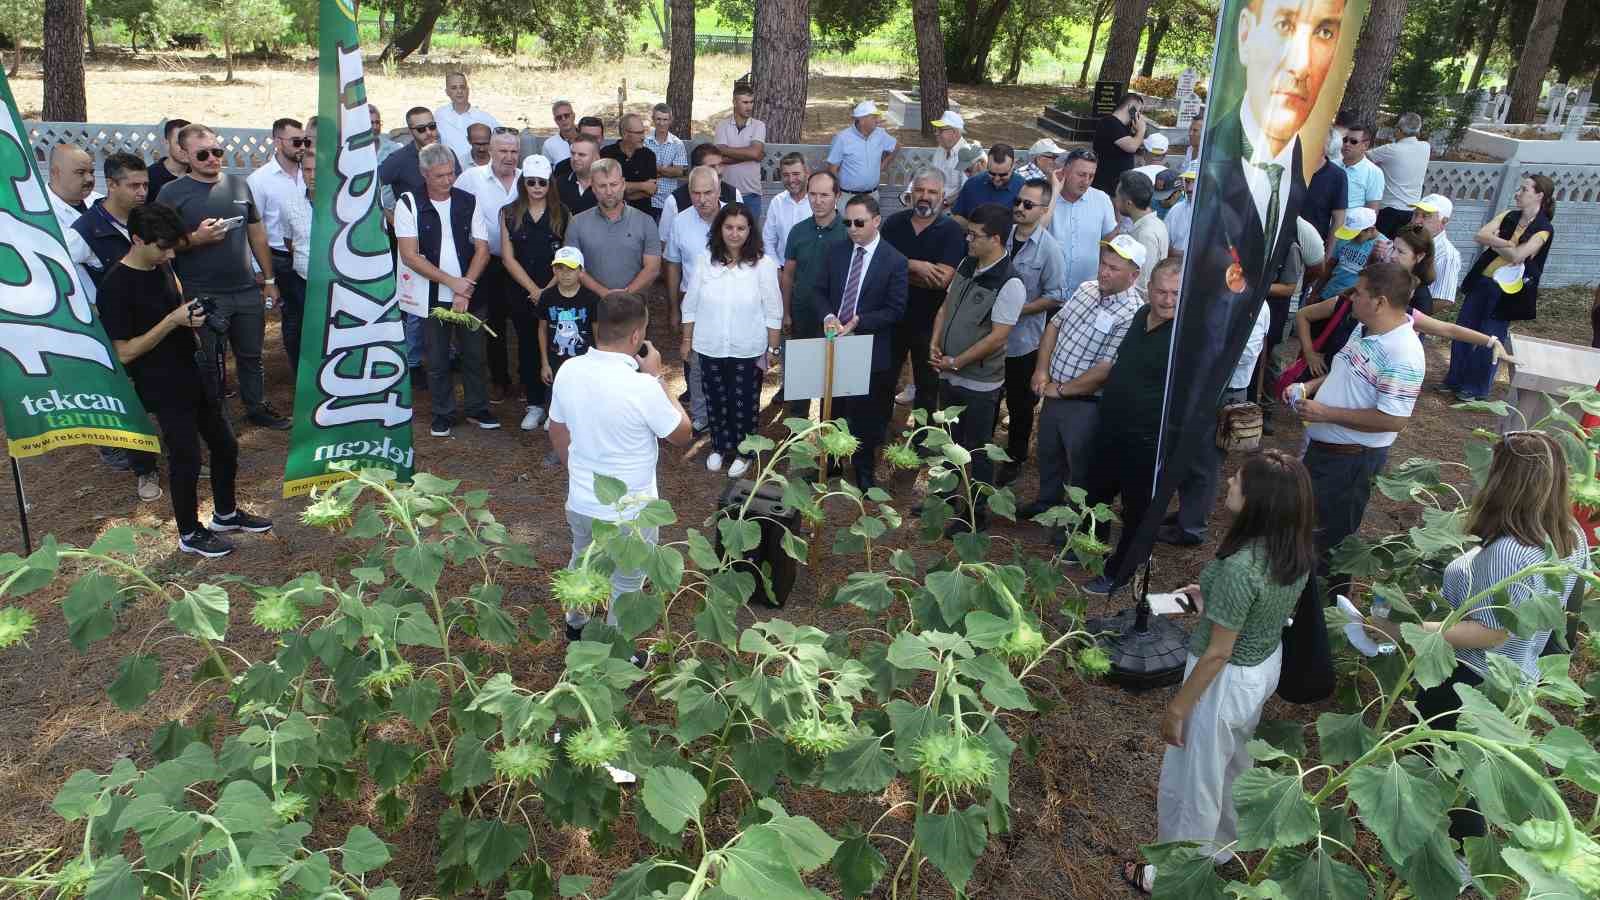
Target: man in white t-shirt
<point>686,250</point>
<point>1354,413</point>
<point>1433,214</point>
<point>609,409</point>
<point>458,115</point>
<point>434,233</point>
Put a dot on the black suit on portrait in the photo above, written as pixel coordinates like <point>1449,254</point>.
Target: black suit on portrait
<point>880,306</point>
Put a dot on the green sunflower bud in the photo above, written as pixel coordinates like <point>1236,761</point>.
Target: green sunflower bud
<point>581,590</point>
<point>596,745</point>
<point>902,457</point>
<point>278,612</point>
<point>384,681</point>
<point>239,884</point>
<point>1087,546</point>
<point>523,761</point>
<point>1585,491</point>
<point>73,879</point>
<point>954,763</point>
<point>1023,644</point>
<point>16,624</point>
<point>818,737</point>
<point>290,806</point>
<point>330,511</point>
<point>839,444</point>
<point>1093,662</point>
<point>472,322</point>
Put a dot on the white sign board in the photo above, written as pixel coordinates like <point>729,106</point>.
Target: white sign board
<point>1186,83</point>
<point>804,361</point>
<point>1188,110</point>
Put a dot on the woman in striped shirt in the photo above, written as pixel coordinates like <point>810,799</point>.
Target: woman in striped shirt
<point>1522,518</point>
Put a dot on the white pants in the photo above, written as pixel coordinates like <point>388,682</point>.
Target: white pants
<point>1195,799</point>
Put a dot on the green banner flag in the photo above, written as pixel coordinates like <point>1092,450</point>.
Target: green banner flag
<point>352,402</point>
<point>60,381</point>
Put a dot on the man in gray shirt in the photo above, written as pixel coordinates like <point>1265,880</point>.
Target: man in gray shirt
<point>620,244</point>
<point>225,233</point>
<point>1037,260</point>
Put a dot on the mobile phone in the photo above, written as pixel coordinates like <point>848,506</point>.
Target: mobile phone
<point>644,350</point>
<point>231,224</point>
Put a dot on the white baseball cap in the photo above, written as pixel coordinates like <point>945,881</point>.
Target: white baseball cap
<point>1436,203</point>
<point>1509,278</point>
<point>571,257</point>
<point>536,166</point>
<point>865,108</point>
<point>949,119</point>
<point>1126,247</point>
<point>1192,170</point>
<point>1156,142</point>
<point>1045,147</point>
<point>1356,221</point>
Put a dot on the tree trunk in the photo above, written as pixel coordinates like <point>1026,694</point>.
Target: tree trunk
<point>406,42</point>
<point>16,59</point>
<point>1094,34</point>
<point>1014,67</point>
<point>88,30</point>
<point>1158,32</point>
<point>64,97</point>
<point>227,52</point>
<point>1122,40</point>
<point>931,81</point>
<point>1535,61</point>
<point>1375,52</point>
<point>680,71</point>
<point>971,65</point>
<point>783,35</point>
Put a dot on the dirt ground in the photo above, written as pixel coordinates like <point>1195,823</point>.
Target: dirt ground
<point>1086,800</point>
<point>518,93</point>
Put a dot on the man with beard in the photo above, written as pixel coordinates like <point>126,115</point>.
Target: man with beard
<point>174,165</point>
<point>933,244</point>
<point>274,186</point>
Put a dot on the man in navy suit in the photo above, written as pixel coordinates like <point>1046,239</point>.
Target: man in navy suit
<point>862,290</point>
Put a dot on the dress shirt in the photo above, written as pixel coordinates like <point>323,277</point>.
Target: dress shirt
<point>1089,328</point>
<point>783,212</point>
<point>860,159</point>
<point>297,216</point>
<point>1405,165</point>
<point>1245,369</point>
<point>273,187</point>
<point>1038,264</point>
<point>686,244</point>
<point>866,265</point>
<point>1178,221</point>
<point>1260,182</point>
<point>1079,226</point>
<point>670,152</point>
<point>670,209</point>
<point>453,129</point>
<point>1446,268</point>
<point>1150,231</point>
<point>492,196</point>
<point>77,248</point>
<point>948,162</point>
<point>731,307</point>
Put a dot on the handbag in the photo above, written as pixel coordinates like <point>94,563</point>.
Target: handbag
<point>1307,674</point>
<point>1239,427</point>
<point>1296,370</point>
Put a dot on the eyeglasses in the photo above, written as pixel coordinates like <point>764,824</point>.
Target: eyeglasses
<point>536,182</point>
<point>856,223</point>
<point>1083,153</point>
<point>478,143</point>
<point>205,153</point>
<point>299,142</point>
<point>1351,141</point>
<point>504,129</point>
<point>1026,204</point>
<point>425,126</point>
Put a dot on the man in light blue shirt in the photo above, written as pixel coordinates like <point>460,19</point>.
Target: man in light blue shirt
<point>859,153</point>
<point>1080,218</point>
<point>1364,178</point>
<point>672,158</point>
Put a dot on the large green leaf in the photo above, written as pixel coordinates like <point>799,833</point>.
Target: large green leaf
<point>88,608</point>
<point>1184,871</point>
<point>1435,657</point>
<point>1344,737</point>
<point>492,846</point>
<point>420,565</point>
<point>1274,810</point>
<point>1505,794</point>
<point>638,612</point>
<point>858,866</point>
<point>139,677</point>
<point>79,797</point>
<point>469,766</point>
<point>862,766</point>
<point>757,867</point>
<point>1320,875</point>
<point>1400,808</point>
<point>953,842</point>
<point>806,843</point>
<point>244,808</point>
<point>995,681</point>
<point>673,797</point>
<point>417,701</point>
<point>201,613</point>
<point>363,851</point>
<point>113,879</point>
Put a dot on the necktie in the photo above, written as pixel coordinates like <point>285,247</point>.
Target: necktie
<point>1274,174</point>
<point>852,286</point>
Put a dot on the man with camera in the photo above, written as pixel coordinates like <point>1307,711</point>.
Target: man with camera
<point>225,233</point>
<point>153,332</point>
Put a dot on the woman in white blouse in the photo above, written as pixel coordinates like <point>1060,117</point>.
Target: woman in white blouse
<point>732,313</point>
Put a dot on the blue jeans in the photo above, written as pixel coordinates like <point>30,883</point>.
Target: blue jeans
<point>1341,484</point>
<point>753,200</point>
<point>1472,367</point>
<point>414,338</point>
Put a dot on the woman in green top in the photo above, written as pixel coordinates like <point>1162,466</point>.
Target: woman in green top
<point>1235,654</point>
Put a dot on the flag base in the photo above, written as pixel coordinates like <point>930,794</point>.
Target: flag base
<point>1146,650</point>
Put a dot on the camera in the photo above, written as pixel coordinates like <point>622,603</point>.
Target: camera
<point>216,320</point>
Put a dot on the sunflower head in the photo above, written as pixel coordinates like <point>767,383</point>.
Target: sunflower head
<point>240,884</point>
<point>277,611</point>
<point>523,761</point>
<point>16,624</point>
<point>1093,662</point>
<point>384,681</point>
<point>596,745</point>
<point>817,736</point>
<point>839,444</point>
<point>581,590</point>
<point>1023,644</point>
<point>290,806</point>
<point>902,456</point>
<point>954,763</point>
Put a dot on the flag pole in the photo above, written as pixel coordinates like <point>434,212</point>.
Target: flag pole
<point>22,507</point>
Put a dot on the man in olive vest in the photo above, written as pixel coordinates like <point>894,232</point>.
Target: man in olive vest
<point>969,337</point>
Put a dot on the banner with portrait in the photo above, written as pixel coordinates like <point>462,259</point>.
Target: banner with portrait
<point>1278,76</point>
<point>61,383</point>
<point>352,399</point>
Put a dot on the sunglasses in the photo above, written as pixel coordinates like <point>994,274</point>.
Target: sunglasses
<point>857,223</point>
<point>536,182</point>
<point>299,142</point>
<point>209,153</point>
<point>1026,204</point>
<point>1349,141</point>
<point>1084,154</point>
<point>502,129</point>
<point>426,126</point>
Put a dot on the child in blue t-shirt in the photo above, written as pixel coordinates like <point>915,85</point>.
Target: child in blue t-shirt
<point>1356,239</point>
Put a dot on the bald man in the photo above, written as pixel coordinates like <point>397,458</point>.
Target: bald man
<point>71,183</point>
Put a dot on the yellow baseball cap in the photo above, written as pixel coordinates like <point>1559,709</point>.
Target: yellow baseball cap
<point>1509,278</point>
<point>1126,247</point>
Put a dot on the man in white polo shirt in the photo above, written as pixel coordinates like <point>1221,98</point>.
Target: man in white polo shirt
<point>459,114</point>
<point>609,409</point>
<point>1433,214</point>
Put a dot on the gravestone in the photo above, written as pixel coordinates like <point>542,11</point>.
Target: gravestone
<point>1189,109</point>
<point>1556,104</point>
<point>1480,107</point>
<point>1575,119</point>
<point>1499,108</point>
<point>1107,94</point>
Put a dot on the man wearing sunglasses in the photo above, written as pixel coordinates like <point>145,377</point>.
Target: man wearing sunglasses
<point>274,187</point>
<point>458,115</point>
<point>400,173</point>
<point>225,236</point>
<point>999,185</point>
<point>557,147</point>
<point>1036,261</point>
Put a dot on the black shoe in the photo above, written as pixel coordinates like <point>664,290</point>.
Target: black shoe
<point>239,520</point>
<point>117,458</point>
<point>1102,585</point>
<point>1172,534</point>
<point>574,634</point>
<point>267,417</point>
<point>204,543</point>
<point>441,426</point>
<point>484,420</point>
<point>1007,473</point>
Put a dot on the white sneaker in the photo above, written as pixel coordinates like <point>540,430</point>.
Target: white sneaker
<point>714,462</point>
<point>533,418</point>
<point>150,487</point>
<point>907,396</point>
<point>739,467</point>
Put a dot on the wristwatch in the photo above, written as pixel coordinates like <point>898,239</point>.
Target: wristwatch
<point>775,350</point>
<point>269,281</point>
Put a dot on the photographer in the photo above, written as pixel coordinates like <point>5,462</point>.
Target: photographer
<point>1117,137</point>
<point>152,330</point>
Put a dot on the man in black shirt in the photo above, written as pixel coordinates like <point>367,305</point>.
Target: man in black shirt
<point>171,167</point>
<point>152,331</point>
<point>933,243</point>
<point>1117,137</point>
<point>638,163</point>
<point>571,175</point>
